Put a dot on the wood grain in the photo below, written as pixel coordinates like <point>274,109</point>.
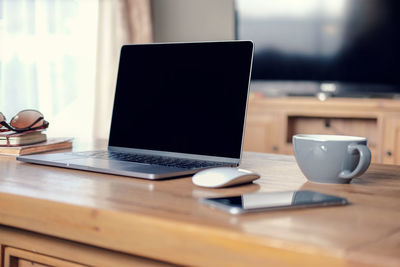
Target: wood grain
<point>164,220</point>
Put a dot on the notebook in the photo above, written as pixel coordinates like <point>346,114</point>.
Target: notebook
<point>178,108</point>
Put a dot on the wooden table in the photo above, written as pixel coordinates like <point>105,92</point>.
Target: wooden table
<point>52,214</point>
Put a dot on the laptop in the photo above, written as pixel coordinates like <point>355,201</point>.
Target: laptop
<point>178,108</point>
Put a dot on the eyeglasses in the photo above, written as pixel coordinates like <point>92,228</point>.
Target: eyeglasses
<point>25,120</point>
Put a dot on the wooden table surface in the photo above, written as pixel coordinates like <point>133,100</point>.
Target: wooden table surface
<point>164,220</point>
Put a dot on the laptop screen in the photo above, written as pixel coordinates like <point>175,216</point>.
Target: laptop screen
<point>182,97</point>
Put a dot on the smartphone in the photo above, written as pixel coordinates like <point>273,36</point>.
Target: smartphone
<point>273,201</point>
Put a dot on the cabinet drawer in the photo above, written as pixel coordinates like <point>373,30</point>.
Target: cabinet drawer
<point>24,248</point>
<point>262,133</point>
<point>343,126</point>
<point>366,127</point>
<point>15,257</point>
<point>391,141</point>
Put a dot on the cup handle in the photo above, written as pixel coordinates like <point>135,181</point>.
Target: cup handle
<point>363,164</point>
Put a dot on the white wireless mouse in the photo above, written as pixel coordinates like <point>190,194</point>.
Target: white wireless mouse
<point>223,177</point>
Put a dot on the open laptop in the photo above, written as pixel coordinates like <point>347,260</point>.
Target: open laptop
<point>178,108</point>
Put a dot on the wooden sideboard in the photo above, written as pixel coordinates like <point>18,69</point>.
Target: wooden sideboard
<point>271,123</point>
<point>58,217</point>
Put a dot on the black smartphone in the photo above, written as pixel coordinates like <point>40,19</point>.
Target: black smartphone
<point>273,201</point>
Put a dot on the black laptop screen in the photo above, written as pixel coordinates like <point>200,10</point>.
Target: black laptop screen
<point>182,97</point>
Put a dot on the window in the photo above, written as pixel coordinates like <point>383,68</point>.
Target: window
<point>48,60</point>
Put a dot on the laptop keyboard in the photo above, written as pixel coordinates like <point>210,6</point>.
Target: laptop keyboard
<point>150,159</point>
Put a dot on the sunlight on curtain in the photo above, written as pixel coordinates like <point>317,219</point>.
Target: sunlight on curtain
<point>120,22</point>
<point>47,62</point>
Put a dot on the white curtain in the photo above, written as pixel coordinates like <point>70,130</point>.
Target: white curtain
<point>61,57</point>
<point>120,22</point>
<point>47,62</point>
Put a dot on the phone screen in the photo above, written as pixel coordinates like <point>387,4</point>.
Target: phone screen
<point>273,200</point>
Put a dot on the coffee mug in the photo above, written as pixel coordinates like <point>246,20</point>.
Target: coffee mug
<point>331,158</point>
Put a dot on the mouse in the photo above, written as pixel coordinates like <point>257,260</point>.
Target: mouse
<point>223,177</point>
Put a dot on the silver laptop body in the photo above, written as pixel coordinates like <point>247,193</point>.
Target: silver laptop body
<point>178,108</point>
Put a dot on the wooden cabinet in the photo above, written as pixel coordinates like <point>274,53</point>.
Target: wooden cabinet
<point>15,257</point>
<point>20,248</point>
<point>271,123</point>
<point>391,142</point>
<point>264,132</point>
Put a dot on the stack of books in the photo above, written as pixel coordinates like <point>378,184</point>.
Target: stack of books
<point>12,138</point>
<point>29,142</point>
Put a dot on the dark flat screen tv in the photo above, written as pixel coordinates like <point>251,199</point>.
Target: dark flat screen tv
<point>342,47</point>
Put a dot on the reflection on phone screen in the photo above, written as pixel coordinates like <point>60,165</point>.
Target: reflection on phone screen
<point>274,200</point>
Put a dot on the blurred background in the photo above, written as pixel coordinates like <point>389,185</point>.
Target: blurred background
<point>61,56</point>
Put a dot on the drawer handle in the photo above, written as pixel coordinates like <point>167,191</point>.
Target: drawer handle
<point>327,123</point>
<point>389,153</point>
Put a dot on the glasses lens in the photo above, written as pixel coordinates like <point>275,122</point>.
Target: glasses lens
<point>2,117</point>
<point>26,118</point>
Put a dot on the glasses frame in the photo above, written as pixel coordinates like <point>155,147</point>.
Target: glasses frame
<point>29,128</point>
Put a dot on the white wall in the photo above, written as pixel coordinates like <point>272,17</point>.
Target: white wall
<point>193,20</point>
